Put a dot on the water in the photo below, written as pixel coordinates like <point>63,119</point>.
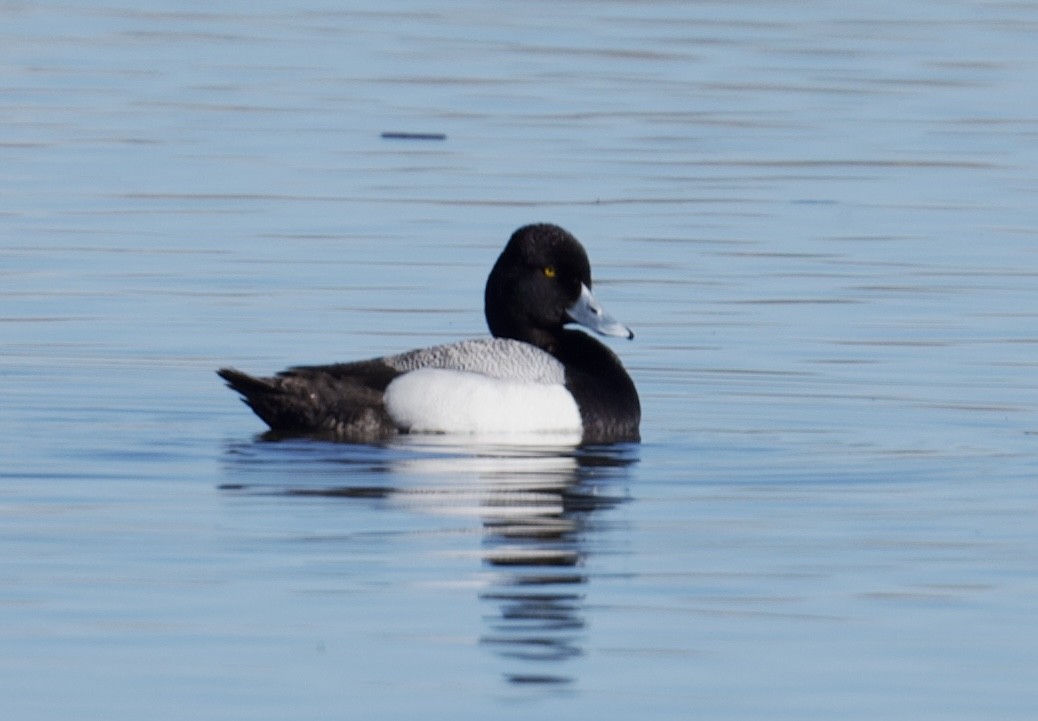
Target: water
<point>818,219</point>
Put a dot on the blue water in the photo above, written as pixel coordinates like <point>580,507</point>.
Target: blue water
<point>819,219</point>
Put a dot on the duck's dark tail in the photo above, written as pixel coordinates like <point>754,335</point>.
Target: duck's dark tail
<point>269,399</point>
<point>313,403</point>
<point>245,384</point>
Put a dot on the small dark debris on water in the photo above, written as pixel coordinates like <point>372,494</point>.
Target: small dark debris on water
<point>391,135</point>
<point>517,678</point>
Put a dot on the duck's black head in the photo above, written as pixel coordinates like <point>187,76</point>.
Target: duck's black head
<point>541,281</point>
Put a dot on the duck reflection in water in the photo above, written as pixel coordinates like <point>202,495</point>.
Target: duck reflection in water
<point>538,552</point>
<point>539,509</point>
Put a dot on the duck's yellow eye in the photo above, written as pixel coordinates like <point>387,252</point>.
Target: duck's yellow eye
<point>549,271</point>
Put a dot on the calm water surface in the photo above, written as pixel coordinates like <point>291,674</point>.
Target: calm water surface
<point>818,218</point>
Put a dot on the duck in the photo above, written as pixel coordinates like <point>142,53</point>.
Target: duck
<point>534,375</point>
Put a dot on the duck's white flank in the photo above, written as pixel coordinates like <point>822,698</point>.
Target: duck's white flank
<point>435,400</point>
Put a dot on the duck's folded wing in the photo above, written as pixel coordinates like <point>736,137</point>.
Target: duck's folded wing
<point>501,358</point>
<point>374,374</point>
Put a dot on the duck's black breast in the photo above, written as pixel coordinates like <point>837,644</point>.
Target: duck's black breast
<point>605,394</point>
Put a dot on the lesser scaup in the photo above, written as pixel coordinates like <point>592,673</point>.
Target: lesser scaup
<point>534,375</point>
